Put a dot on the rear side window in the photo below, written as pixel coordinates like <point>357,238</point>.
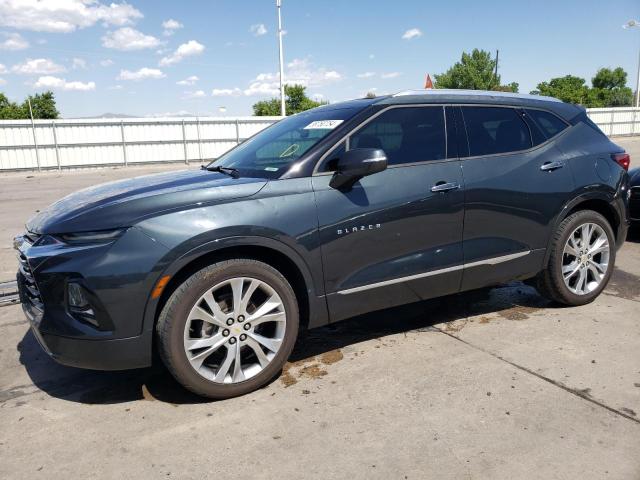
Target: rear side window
<point>493,130</point>
<point>548,122</point>
<point>407,135</point>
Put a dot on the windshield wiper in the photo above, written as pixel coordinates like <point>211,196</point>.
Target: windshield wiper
<point>232,172</point>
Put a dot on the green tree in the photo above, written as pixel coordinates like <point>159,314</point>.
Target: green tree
<point>296,101</point>
<point>569,89</point>
<point>474,71</point>
<point>608,89</point>
<point>42,104</point>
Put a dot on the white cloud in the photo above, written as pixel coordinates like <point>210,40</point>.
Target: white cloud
<point>107,62</point>
<point>366,75</point>
<point>61,84</point>
<point>13,41</point>
<point>411,34</point>
<point>37,66</point>
<point>128,38</point>
<point>258,29</point>
<point>188,81</point>
<point>170,26</point>
<point>79,63</point>
<point>194,94</point>
<point>300,71</point>
<point>3,69</point>
<point>226,92</point>
<point>188,49</point>
<point>64,16</point>
<point>142,74</point>
<point>390,75</point>
<point>115,87</point>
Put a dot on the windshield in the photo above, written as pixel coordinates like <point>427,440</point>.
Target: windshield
<point>270,153</point>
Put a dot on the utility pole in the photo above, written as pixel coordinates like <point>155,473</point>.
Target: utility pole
<point>495,75</point>
<point>635,24</point>
<point>283,110</point>
<point>33,130</point>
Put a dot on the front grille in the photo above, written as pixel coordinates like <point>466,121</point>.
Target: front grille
<point>31,291</point>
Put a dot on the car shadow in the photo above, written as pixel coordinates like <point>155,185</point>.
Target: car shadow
<point>156,384</point>
<point>633,234</point>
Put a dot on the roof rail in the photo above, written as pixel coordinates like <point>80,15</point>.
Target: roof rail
<point>475,93</point>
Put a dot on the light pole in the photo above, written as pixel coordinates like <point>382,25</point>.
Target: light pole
<point>631,24</point>
<point>283,110</point>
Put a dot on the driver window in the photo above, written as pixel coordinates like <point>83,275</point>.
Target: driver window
<point>406,134</point>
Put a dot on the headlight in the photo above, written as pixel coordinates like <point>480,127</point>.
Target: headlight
<point>102,236</point>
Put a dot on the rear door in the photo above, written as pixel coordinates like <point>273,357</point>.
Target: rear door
<point>396,237</point>
<point>516,183</point>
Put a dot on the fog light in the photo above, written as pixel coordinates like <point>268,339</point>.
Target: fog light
<point>77,298</point>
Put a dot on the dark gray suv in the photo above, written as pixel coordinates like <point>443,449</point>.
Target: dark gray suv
<point>334,212</point>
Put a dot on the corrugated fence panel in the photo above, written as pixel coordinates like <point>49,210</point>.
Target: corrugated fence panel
<point>90,142</point>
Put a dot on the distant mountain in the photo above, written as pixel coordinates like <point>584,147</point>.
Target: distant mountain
<point>114,115</point>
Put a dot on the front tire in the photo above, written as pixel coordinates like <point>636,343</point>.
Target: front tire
<point>581,259</point>
<point>229,328</point>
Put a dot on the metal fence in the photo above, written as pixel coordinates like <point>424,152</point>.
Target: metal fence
<point>616,121</point>
<point>57,144</point>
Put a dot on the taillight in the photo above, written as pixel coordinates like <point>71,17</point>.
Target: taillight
<point>622,159</point>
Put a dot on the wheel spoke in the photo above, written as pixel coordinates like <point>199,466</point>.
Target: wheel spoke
<point>221,374</point>
<point>272,344</point>
<point>238,374</point>
<point>236,288</point>
<point>582,279</point>
<point>262,358</point>
<point>271,317</point>
<point>599,267</point>
<point>198,359</point>
<point>597,276</point>
<point>247,296</point>
<point>570,270</point>
<point>569,249</point>
<point>598,246</point>
<point>585,235</point>
<point>215,308</point>
<point>267,307</point>
<point>198,313</point>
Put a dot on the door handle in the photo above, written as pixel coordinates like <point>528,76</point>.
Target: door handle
<point>551,166</point>
<point>444,187</point>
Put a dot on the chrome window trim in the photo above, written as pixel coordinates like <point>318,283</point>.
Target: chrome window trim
<point>346,137</point>
<point>316,168</point>
<point>487,261</point>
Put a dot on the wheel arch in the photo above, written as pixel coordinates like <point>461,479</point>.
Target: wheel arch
<point>598,202</point>
<point>313,309</point>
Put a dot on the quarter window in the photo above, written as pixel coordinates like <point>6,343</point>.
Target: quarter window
<point>548,123</point>
<point>407,135</point>
<point>494,130</point>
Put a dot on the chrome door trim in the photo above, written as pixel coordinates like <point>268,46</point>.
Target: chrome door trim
<point>487,261</point>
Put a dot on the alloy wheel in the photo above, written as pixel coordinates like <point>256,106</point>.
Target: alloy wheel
<point>585,259</point>
<point>234,330</point>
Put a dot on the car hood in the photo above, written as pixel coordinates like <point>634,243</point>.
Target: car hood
<point>124,202</point>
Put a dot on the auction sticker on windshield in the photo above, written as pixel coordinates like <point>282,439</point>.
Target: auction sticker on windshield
<point>323,125</point>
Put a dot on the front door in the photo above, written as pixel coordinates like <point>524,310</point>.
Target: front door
<point>396,236</point>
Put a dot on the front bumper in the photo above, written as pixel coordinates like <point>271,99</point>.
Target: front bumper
<point>118,278</point>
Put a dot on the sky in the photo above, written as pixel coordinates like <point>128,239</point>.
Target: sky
<point>218,57</point>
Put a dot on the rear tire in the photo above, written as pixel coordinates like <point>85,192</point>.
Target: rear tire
<point>229,328</point>
<point>578,270</point>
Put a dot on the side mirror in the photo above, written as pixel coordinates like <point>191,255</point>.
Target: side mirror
<point>355,164</point>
